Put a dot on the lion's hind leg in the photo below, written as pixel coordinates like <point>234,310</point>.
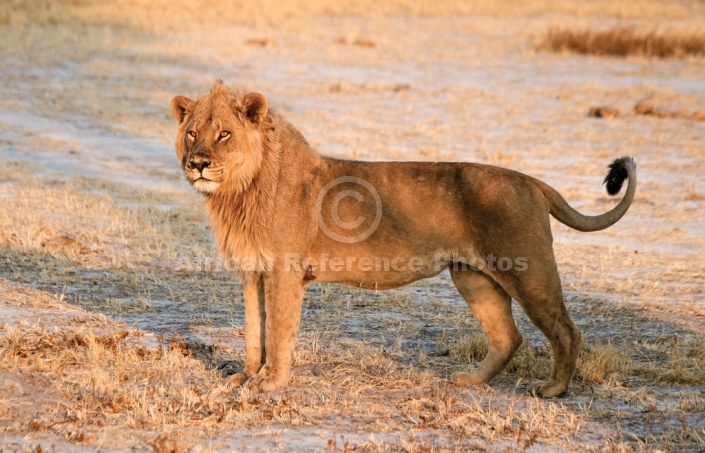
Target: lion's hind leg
<point>491,305</point>
<point>538,291</point>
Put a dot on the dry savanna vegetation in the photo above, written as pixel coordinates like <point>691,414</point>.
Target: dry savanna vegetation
<point>626,41</point>
<point>120,326</point>
<point>366,362</point>
<point>142,13</point>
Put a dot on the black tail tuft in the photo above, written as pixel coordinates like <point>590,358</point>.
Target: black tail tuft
<point>617,174</point>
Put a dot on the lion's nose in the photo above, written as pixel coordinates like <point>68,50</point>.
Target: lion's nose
<point>198,163</point>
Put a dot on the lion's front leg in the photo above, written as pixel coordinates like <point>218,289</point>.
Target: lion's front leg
<point>283,294</point>
<point>253,292</point>
<point>255,316</point>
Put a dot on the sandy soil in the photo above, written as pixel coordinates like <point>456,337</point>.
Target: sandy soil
<point>100,234</point>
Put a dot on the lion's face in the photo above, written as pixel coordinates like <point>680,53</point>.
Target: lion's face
<point>218,139</point>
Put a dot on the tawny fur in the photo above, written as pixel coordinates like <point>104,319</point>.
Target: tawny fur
<point>264,189</point>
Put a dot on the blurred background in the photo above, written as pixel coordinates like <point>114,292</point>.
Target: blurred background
<point>100,233</point>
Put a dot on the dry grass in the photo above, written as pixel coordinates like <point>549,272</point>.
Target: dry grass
<point>625,41</point>
<point>171,15</point>
<point>678,360</point>
<point>96,384</point>
<point>99,378</point>
<point>355,370</point>
<point>104,382</point>
<point>600,361</point>
<point>672,360</point>
<point>63,219</point>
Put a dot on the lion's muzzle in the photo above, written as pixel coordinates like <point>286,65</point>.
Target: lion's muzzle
<point>197,163</point>
<point>198,170</point>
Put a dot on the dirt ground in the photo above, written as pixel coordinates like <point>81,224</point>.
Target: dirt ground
<point>120,324</point>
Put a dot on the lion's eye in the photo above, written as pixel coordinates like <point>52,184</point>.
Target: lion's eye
<point>224,135</point>
<point>192,134</point>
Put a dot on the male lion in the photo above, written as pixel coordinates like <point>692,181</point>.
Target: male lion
<point>290,216</point>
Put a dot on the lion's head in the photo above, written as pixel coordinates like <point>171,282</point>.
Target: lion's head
<point>219,141</point>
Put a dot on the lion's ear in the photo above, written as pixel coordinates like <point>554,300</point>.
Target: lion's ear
<point>255,107</point>
<point>180,107</point>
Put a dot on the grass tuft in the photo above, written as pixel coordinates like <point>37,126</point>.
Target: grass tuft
<point>625,41</point>
<point>599,361</point>
<point>470,348</point>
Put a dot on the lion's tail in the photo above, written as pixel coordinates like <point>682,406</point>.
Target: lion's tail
<point>620,169</point>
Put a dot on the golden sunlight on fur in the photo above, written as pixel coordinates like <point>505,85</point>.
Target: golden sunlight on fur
<point>289,217</point>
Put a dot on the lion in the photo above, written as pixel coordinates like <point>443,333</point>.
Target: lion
<point>291,217</point>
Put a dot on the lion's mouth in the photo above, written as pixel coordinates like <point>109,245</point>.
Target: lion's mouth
<point>205,185</point>
<point>205,180</point>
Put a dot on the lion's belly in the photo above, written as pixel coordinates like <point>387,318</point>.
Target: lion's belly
<point>372,268</point>
<point>377,272</point>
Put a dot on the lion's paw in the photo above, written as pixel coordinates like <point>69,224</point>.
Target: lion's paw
<point>268,384</point>
<point>263,384</point>
<point>462,378</point>
<point>237,379</point>
<point>549,390</point>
